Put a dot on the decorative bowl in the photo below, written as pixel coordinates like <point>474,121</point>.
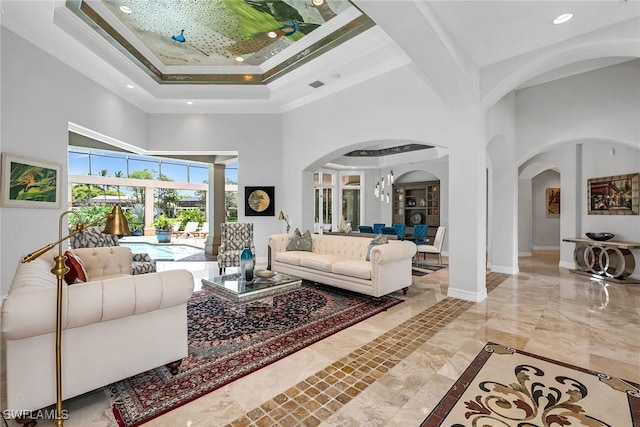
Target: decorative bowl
<point>601,237</point>
<point>265,274</point>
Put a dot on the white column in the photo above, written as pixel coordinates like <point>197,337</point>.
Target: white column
<point>467,210</point>
<point>149,230</point>
<point>571,191</point>
<point>504,215</point>
<point>525,226</point>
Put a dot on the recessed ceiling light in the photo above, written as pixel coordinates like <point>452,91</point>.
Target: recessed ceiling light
<point>190,102</point>
<point>317,2</point>
<point>272,34</point>
<point>239,58</point>
<point>130,86</point>
<point>563,18</point>
<point>125,9</point>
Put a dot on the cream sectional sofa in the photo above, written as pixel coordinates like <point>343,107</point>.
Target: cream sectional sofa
<point>115,326</point>
<point>341,261</point>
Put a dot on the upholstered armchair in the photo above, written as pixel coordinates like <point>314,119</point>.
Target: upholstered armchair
<point>233,238</point>
<point>93,237</point>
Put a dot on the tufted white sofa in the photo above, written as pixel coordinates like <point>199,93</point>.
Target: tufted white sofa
<point>115,326</point>
<point>341,261</point>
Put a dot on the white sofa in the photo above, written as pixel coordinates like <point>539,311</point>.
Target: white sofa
<point>341,261</point>
<point>115,325</point>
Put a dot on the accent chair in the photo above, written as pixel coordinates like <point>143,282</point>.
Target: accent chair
<point>233,238</point>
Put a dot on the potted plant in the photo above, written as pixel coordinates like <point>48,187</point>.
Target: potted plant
<point>163,226</point>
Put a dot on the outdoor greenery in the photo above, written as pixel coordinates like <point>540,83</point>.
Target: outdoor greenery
<point>163,223</point>
<point>191,215</point>
<point>88,214</point>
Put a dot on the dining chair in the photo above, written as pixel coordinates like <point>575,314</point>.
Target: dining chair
<point>436,248</point>
<point>420,234</point>
<point>377,228</point>
<point>401,230</point>
<point>365,229</point>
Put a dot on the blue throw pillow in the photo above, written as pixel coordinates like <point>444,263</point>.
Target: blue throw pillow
<point>379,240</point>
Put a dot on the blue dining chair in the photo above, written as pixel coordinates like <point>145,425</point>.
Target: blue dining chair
<point>365,229</point>
<point>420,234</point>
<point>389,230</point>
<point>401,230</point>
<point>377,228</point>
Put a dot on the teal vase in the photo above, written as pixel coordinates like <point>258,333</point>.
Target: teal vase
<point>246,264</point>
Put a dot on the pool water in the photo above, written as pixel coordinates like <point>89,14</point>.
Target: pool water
<point>162,252</point>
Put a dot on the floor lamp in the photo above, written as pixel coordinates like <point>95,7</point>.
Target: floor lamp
<point>284,217</point>
<point>116,224</point>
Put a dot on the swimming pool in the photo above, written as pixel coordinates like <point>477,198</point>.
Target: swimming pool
<point>162,252</point>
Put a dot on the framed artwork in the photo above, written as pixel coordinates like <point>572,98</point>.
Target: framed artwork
<point>613,195</point>
<point>29,183</point>
<point>259,201</point>
<point>552,201</point>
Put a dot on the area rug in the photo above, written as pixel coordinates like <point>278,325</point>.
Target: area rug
<point>422,269</point>
<point>508,387</point>
<point>227,341</point>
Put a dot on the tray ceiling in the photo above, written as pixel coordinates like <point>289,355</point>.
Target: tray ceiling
<point>222,41</point>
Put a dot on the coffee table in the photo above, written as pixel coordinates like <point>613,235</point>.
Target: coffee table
<point>232,287</point>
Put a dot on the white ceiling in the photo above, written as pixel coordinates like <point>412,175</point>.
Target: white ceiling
<point>483,32</point>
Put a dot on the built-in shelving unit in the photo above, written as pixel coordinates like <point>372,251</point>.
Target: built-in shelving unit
<point>417,203</point>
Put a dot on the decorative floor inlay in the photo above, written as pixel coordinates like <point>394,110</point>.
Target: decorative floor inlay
<point>316,398</point>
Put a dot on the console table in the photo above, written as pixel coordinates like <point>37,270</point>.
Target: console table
<point>608,260</point>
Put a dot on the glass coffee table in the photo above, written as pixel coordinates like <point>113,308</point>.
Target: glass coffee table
<point>232,287</point>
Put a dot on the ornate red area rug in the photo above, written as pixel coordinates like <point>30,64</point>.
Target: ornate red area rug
<point>507,387</point>
<point>227,341</point>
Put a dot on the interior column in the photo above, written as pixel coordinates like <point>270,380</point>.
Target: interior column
<point>216,207</point>
<point>468,210</point>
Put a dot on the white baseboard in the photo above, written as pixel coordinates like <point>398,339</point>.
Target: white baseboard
<point>525,254</point>
<point>545,248</point>
<point>467,295</point>
<point>566,264</point>
<point>505,270</point>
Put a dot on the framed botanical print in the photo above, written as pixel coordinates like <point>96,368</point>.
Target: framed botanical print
<point>613,195</point>
<point>29,183</point>
<point>259,201</point>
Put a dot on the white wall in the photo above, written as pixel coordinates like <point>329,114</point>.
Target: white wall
<point>256,138</point>
<point>40,96</point>
<point>546,228</point>
<point>600,105</point>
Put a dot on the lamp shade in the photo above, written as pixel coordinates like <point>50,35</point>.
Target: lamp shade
<point>116,222</point>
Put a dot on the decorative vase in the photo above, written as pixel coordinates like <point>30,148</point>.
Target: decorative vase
<point>246,264</point>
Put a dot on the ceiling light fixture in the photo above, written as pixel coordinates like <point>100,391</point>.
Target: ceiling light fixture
<point>190,102</point>
<point>239,58</point>
<point>272,34</point>
<point>126,9</point>
<point>130,86</point>
<point>317,2</point>
<point>561,19</point>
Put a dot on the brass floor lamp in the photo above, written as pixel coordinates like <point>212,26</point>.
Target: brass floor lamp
<point>285,218</point>
<point>116,224</point>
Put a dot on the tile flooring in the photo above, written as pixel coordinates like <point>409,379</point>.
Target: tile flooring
<point>391,369</point>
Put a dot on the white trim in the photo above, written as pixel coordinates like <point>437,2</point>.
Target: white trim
<point>467,295</point>
<point>545,248</point>
<point>567,265</point>
<point>505,270</point>
<point>525,254</point>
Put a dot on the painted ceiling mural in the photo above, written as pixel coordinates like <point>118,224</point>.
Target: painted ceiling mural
<point>222,32</point>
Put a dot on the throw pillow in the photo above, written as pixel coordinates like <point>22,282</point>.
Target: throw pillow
<point>300,242</point>
<point>379,240</point>
<point>77,271</point>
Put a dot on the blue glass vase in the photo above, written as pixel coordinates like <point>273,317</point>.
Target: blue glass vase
<point>246,264</point>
